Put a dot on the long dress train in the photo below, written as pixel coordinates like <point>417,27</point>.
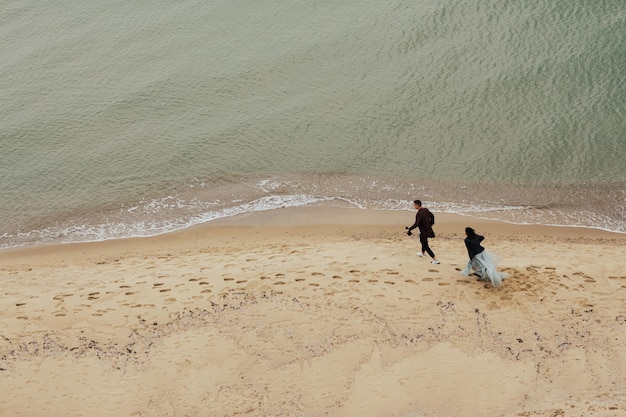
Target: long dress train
<point>484,264</point>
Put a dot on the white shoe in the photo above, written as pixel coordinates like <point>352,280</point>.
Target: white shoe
<point>420,254</point>
<point>434,262</point>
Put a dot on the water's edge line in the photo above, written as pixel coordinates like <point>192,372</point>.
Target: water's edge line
<point>267,219</point>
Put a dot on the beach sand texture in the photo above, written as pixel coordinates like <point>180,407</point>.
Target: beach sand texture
<point>305,313</point>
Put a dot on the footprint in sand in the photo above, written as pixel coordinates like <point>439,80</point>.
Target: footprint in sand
<point>390,282</point>
<point>427,279</point>
<point>129,293</point>
<point>165,290</point>
<point>314,284</point>
<point>393,273</point>
<point>241,281</point>
<point>229,279</point>
<point>433,270</point>
<point>337,277</point>
<point>205,291</point>
<point>158,284</point>
<point>194,279</point>
<point>61,296</point>
<point>279,283</point>
<point>203,283</point>
<point>20,304</point>
<point>372,281</point>
<point>300,279</point>
<point>353,280</point>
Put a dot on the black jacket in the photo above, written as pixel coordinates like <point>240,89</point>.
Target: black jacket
<point>424,221</point>
<point>473,245</point>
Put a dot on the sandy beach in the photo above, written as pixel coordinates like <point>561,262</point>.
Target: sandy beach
<point>316,312</point>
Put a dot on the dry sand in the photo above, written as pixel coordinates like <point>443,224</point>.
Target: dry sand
<point>316,312</point>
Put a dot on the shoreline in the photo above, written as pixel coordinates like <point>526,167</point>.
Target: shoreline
<point>317,221</point>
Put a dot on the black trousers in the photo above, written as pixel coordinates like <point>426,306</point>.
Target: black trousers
<point>425,247</point>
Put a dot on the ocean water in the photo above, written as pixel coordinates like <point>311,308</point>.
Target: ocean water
<point>123,119</point>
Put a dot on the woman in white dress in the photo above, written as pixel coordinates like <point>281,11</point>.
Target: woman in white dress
<point>481,261</point>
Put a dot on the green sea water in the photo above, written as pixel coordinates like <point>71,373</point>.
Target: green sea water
<point>134,118</point>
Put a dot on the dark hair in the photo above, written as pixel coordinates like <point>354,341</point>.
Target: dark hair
<point>470,232</point>
<point>419,203</point>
